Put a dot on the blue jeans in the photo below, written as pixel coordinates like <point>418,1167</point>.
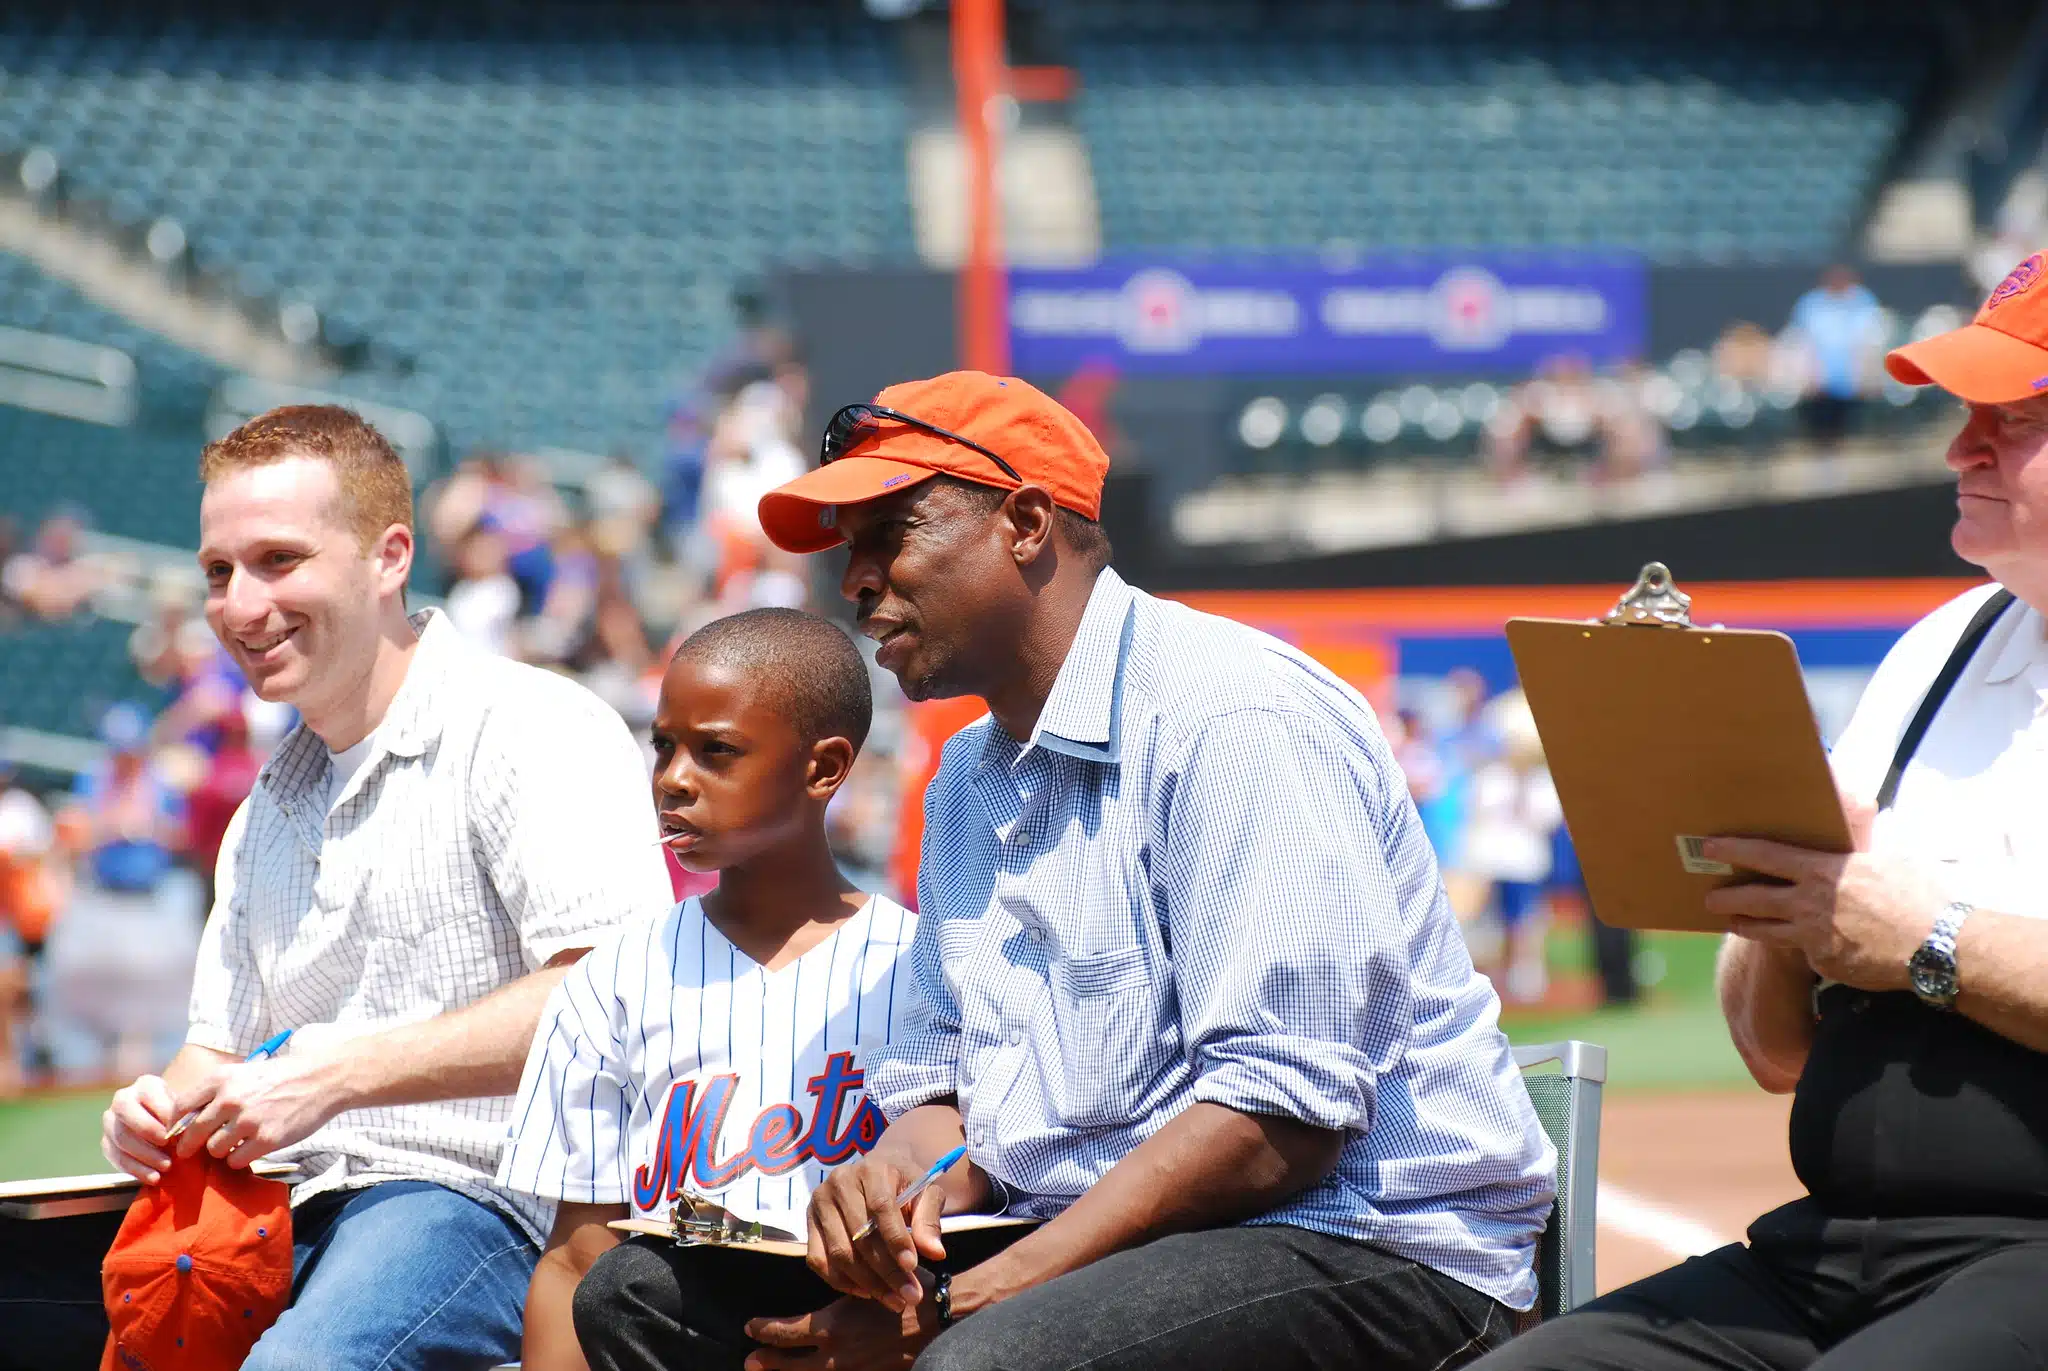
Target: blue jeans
<point>403,1276</point>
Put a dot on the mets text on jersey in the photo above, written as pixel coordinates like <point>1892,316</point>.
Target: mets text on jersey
<point>693,1120</point>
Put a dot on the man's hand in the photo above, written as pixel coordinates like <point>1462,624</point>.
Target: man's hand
<point>248,1110</point>
<point>133,1131</point>
<point>1856,919</point>
<point>846,1335</point>
<point>883,1265</point>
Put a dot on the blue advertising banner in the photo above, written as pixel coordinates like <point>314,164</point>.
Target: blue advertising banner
<point>1439,313</point>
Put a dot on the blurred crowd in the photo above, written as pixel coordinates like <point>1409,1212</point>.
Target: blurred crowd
<point>104,885</point>
<point>1823,367</point>
<point>1475,770</point>
<point>52,576</point>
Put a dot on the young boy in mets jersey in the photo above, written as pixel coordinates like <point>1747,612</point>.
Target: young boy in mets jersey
<point>719,1050</point>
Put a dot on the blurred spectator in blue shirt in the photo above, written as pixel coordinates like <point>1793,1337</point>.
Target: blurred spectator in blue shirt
<point>1843,330</point>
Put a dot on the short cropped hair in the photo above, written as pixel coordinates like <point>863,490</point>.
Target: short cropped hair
<point>376,489</point>
<point>1083,534</point>
<point>810,663</point>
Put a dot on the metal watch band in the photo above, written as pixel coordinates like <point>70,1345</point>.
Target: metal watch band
<point>1948,924</point>
<point>942,1298</point>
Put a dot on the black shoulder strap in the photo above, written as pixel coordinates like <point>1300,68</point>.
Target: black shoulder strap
<point>1930,704</point>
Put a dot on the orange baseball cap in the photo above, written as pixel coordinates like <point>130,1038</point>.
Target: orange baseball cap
<point>1999,356</point>
<point>201,1267</point>
<point>1025,429</point>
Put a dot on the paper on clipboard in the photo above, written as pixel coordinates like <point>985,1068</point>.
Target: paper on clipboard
<point>1660,734</point>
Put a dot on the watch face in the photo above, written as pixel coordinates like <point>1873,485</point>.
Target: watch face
<point>1934,978</point>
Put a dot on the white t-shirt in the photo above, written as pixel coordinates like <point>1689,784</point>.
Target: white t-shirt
<point>669,1059</point>
<point>1973,803</point>
<point>346,764</point>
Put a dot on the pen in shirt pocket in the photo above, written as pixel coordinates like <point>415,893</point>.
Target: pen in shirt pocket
<point>269,1047</point>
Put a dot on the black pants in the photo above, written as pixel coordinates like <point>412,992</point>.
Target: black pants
<point>52,1317</point>
<point>1809,1291</point>
<point>1270,1297</point>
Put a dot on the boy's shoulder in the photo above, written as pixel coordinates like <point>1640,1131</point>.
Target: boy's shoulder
<point>630,945</point>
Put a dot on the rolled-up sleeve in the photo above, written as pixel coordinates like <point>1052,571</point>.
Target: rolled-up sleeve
<point>1290,953</point>
<point>566,824</point>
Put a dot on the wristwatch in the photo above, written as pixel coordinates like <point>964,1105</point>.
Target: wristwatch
<point>1932,968</point>
<point>942,1299</point>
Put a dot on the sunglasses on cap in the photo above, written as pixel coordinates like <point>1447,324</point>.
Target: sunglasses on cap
<point>853,424</point>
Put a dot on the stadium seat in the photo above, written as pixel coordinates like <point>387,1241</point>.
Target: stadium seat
<point>550,219</point>
<point>1238,126</point>
<point>1568,1104</point>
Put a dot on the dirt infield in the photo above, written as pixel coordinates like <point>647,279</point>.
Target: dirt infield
<point>1683,1173</point>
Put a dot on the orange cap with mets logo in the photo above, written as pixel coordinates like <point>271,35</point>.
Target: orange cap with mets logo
<point>202,1265</point>
<point>1036,435</point>
<point>1999,356</point>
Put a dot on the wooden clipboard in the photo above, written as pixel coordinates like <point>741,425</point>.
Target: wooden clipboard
<point>794,1247</point>
<point>1659,734</point>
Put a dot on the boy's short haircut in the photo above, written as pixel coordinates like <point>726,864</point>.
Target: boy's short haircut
<point>809,662</point>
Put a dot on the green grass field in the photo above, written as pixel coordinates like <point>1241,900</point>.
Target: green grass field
<point>1675,1040</point>
<point>52,1135</point>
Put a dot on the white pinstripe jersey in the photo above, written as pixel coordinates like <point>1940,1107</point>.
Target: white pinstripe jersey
<point>670,1059</point>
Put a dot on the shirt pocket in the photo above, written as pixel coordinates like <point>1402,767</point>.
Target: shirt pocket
<point>1106,1008</point>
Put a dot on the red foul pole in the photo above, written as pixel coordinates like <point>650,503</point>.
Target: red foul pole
<point>983,290</point>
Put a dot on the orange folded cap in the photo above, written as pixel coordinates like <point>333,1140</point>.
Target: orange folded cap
<point>1999,356</point>
<point>201,1267</point>
<point>1023,425</point>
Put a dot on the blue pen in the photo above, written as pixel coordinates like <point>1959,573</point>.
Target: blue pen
<point>269,1047</point>
<point>917,1187</point>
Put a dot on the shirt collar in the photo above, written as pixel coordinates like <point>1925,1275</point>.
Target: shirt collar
<point>1080,717</point>
<point>413,719</point>
<point>410,723</point>
<point>2025,645</point>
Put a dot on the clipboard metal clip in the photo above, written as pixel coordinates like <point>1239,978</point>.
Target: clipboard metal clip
<point>700,1222</point>
<point>1654,601</point>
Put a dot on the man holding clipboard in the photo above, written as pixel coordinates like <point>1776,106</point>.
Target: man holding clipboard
<point>1901,990</point>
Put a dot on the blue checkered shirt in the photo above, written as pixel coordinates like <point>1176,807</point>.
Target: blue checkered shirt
<point>1202,879</point>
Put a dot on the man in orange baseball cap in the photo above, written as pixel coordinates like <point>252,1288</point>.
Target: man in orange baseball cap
<point>917,467</point>
<point>1899,989</point>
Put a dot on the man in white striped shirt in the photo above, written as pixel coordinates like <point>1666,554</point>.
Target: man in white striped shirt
<point>417,866</point>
